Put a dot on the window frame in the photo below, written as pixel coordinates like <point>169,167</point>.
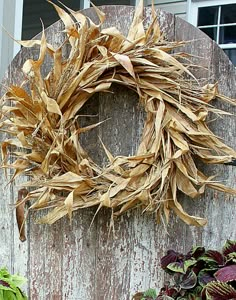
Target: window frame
<point>86,3</point>
<point>11,20</point>
<point>193,17</point>
<point>18,24</point>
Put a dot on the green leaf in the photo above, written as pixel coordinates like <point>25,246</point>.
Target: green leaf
<point>197,252</point>
<point>188,263</point>
<point>181,267</point>
<point>8,295</point>
<point>151,293</point>
<point>170,257</point>
<point>20,295</point>
<point>6,288</point>
<point>18,280</point>
<point>1,295</point>
<point>220,291</point>
<point>4,273</point>
<point>190,297</point>
<point>189,280</point>
<point>176,267</point>
<point>232,257</point>
<point>213,257</point>
<point>9,286</point>
<point>205,276</point>
<point>229,247</point>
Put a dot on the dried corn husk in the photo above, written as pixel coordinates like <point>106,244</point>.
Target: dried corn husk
<point>45,139</point>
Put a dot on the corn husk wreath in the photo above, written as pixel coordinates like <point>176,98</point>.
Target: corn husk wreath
<point>45,131</point>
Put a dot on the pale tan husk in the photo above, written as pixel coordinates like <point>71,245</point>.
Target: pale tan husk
<point>45,136</point>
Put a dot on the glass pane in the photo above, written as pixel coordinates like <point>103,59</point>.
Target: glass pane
<point>111,2</point>
<point>208,15</point>
<point>34,10</point>
<point>231,54</point>
<point>227,35</point>
<point>211,32</point>
<point>228,14</point>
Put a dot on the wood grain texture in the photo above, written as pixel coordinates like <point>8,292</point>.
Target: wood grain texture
<point>75,262</point>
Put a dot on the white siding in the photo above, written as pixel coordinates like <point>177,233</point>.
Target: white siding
<point>175,7</point>
<point>10,19</point>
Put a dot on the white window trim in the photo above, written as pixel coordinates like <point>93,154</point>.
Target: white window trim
<point>194,5</point>
<point>11,20</point>
<point>18,25</point>
<point>193,15</point>
<point>86,3</point>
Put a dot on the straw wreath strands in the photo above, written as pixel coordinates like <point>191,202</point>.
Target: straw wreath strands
<point>45,132</point>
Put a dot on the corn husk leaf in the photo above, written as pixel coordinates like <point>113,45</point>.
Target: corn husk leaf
<point>44,131</point>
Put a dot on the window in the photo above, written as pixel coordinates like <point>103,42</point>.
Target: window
<point>35,10</point>
<point>112,2</point>
<point>217,19</point>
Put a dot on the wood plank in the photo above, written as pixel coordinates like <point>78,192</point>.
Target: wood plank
<point>45,242</point>
<point>120,134</point>
<point>213,205</point>
<point>129,262</point>
<point>79,256</point>
<point>6,223</point>
<point>79,244</point>
<point>75,261</point>
<point>13,254</point>
<point>182,236</point>
<point>222,211</point>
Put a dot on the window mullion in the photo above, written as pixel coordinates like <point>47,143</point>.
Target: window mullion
<point>219,32</point>
<point>84,4</point>
<point>227,24</point>
<point>208,26</point>
<point>228,46</point>
<point>214,26</point>
<point>218,25</point>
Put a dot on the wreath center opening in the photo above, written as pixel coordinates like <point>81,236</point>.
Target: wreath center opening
<point>123,119</point>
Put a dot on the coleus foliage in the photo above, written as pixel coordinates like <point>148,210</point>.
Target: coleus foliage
<point>10,286</point>
<point>200,274</point>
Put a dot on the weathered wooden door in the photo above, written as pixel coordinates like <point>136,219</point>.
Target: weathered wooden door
<point>77,262</point>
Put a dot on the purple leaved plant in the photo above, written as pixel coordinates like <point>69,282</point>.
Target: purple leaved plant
<point>200,274</point>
